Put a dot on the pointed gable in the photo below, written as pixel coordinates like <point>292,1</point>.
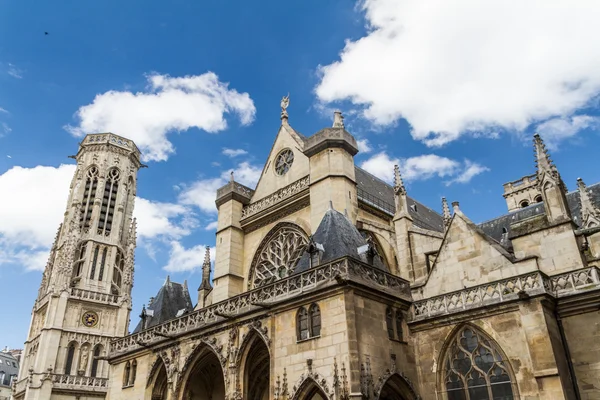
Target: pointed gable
<point>468,257</point>
<point>270,181</point>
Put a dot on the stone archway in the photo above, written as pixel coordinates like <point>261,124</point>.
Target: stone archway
<point>396,387</point>
<point>310,390</point>
<point>204,379</point>
<point>161,383</point>
<point>256,370</point>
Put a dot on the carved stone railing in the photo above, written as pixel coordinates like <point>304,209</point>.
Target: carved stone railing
<point>561,285</point>
<point>575,281</point>
<point>96,296</point>
<point>282,194</point>
<point>20,386</point>
<point>76,382</point>
<point>347,269</point>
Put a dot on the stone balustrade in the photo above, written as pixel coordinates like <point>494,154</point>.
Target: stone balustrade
<point>509,289</point>
<point>276,198</point>
<point>96,296</point>
<point>333,273</point>
<point>75,382</point>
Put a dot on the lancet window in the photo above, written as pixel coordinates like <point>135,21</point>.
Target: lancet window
<point>70,356</point>
<point>95,360</point>
<point>308,322</point>
<point>475,369</point>
<point>102,262</point>
<point>89,194</point>
<point>109,200</point>
<point>118,272</point>
<point>80,260</point>
<point>278,255</point>
<point>94,262</point>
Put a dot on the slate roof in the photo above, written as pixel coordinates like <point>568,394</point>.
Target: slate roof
<point>339,238</point>
<point>495,227</point>
<point>9,366</point>
<point>379,194</point>
<point>170,300</point>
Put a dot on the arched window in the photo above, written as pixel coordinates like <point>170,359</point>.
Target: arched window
<point>133,372</point>
<point>389,322</point>
<point>89,194</point>
<point>126,373</point>
<point>378,250</point>
<point>94,262</point>
<point>302,323</point>
<point>102,262</point>
<point>399,329</point>
<point>95,361</point>
<point>524,204</point>
<point>538,198</point>
<point>118,272</point>
<point>78,265</point>
<point>475,369</point>
<point>278,255</point>
<point>69,360</point>
<point>315,320</point>
<point>111,188</point>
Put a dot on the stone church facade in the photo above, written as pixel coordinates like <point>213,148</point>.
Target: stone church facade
<point>327,284</point>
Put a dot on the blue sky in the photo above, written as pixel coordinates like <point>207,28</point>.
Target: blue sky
<point>445,90</point>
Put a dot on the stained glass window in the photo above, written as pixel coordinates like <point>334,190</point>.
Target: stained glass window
<point>474,369</point>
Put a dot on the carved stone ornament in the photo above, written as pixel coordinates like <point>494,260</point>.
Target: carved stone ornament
<point>204,342</point>
<point>278,254</point>
<point>307,377</point>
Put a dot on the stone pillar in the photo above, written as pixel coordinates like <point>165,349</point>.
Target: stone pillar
<point>229,269</point>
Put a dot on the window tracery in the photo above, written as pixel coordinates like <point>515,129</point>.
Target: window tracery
<point>474,368</point>
<point>278,255</point>
<point>109,199</point>
<point>284,161</point>
<point>89,194</point>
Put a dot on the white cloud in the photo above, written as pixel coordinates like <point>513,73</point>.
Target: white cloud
<point>471,170</point>
<point>158,219</point>
<point>234,152</point>
<point>203,193</point>
<point>170,104</point>
<point>468,66</point>
<point>364,146</point>
<point>14,71</point>
<point>211,226</point>
<point>555,130</point>
<point>5,129</point>
<point>422,168</point>
<point>3,110</point>
<point>182,259</point>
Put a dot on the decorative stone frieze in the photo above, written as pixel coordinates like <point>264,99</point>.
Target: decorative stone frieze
<point>277,197</point>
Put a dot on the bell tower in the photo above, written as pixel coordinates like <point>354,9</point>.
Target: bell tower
<point>84,299</point>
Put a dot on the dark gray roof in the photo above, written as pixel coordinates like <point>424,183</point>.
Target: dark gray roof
<point>9,366</point>
<point>170,300</point>
<point>380,195</point>
<point>496,227</point>
<point>339,238</point>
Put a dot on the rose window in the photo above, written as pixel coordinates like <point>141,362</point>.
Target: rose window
<point>284,161</point>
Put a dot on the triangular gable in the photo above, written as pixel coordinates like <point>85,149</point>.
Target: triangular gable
<point>270,182</point>
<point>468,257</point>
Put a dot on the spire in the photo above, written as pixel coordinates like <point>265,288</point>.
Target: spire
<point>398,183</point>
<point>446,212</point>
<point>167,281</point>
<point>338,119</point>
<point>205,285</point>
<point>550,184</point>
<point>285,103</point>
<point>590,214</point>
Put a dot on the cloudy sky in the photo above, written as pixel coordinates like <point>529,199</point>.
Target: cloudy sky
<point>450,91</point>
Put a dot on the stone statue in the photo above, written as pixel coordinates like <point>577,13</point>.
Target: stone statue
<point>83,362</point>
<point>285,103</point>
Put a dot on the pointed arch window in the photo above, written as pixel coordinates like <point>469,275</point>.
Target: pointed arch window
<point>95,360</point>
<point>475,369</point>
<point>133,372</point>
<point>118,272</point>
<point>109,201</point>
<point>89,194</point>
<point>126,373</point>
<point>315,320</point>
<point>102,262</point>
<point>278,255</point>
<point>302,324</point>
<point>399,328</point>
<point>94,262</point>
<point>389,322</point>
<point>70,356</point>
<point>78,266</point>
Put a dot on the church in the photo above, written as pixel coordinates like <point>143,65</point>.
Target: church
<point>328,284</point>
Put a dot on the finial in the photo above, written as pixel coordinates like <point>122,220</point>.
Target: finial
<point>590,214</point>
<point>338,119</point>
<point>331,205</point>
<point>285,103</point>
<point>446,212</point>
<point>398,183</point>
<point>231,176</point>
<point>206,271</point>
<point>168,281</point>
<point>455,206</point>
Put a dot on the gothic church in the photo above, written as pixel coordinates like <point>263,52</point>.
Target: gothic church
<point>328,284</point>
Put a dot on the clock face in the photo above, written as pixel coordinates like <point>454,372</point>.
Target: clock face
<point>89,318</point>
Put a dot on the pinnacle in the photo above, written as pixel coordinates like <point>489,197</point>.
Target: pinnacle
<point>398,183</point>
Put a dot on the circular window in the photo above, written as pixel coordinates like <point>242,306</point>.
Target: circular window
<point>284,161</point>
<point>89,318</point>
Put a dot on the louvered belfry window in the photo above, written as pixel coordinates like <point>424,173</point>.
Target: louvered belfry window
<point>89,194</point>
<point>109,200</point>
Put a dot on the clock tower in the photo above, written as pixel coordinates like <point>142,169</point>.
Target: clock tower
<point>84,299</point>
